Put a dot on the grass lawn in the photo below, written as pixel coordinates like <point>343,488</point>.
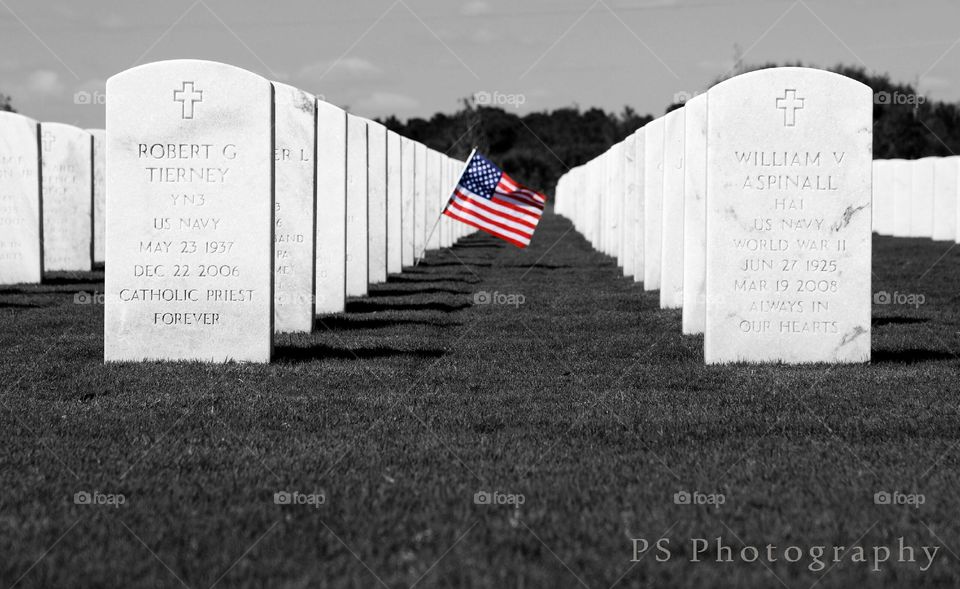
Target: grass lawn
<point>584,399</point>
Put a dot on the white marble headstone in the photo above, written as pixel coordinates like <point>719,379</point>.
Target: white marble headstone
<point>67,168</point>
<point>407,182</point>
<point>883,197</point>
<point>394,204</point>
<point>615,190</point>
<point>921,197</point>
<point>653,204</point>
<point>331,209</point>
<point>640,181</point>
<point>695,216</point>
<point>630,205</point>
<point>945,196</point>
<point>190,214</point>
<point>434,180</point>
<point>442,226</point>
<point>600,189</point>
<point>449,180</point>
<point>671,256</point>
<point>295,209</point>
<point>593,198</point>
<point>21,254</point>
<point>99,193</point>
<point>420,200</point>
<point>357,207</point>
<point>377,206</point>
<point>789,170</point>
<point>902,190</point>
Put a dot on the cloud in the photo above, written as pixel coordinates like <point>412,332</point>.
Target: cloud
<point>717,65</point>
<point>347,68</point>
<point>475,8</point>
<point>113,21</point>
<point>380,103</point>
<point>935,83</point>
<point>44,84</point>
<point>484,36</point>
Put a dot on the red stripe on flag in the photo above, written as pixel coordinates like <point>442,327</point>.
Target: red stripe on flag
<point>465,209</point>
<point>533,194</point>
<point>521,196</point>
<point>522,217</point>
<point>531,208</point>
<point>491,220</point>
<point>519,244</point>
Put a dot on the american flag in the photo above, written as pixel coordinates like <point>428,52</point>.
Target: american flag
<point>491,201</point>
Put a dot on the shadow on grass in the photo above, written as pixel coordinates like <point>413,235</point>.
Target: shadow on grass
<point>22,306</point>
<point>881,321</point>
<point>419,291</point>
<point>476,246</point>
<point>911,356</point>
<point>367,306</point>
<point>82,283</point>
<point>420,277</point>
<point>293,354</point>
<point>542,266</point>
<point>455,264</point>
<point>69,280</point>
<point>341,323</point>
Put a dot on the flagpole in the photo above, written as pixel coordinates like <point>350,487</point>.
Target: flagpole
<point>437,222</point>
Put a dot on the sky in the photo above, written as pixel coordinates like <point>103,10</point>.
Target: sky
<point>416,57</point>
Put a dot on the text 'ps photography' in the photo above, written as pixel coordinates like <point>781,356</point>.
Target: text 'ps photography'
<point>480,294</point>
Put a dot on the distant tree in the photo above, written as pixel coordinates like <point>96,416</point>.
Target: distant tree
<point>6,103</point>
<point>536,148</point>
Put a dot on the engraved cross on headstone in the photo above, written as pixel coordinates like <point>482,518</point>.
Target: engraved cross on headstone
<point>187,96</point>
<point>790,104</point>
<point>47,139</point>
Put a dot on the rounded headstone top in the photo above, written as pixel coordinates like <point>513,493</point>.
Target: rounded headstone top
<point>793,72</point>
<point>15,116</point>
<point>200,64</point>
<point>304,100</point>
<point>64,129</point>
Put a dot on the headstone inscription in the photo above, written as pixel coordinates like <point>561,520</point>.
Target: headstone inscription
<point>295,209</point>
<point>66,161</point>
